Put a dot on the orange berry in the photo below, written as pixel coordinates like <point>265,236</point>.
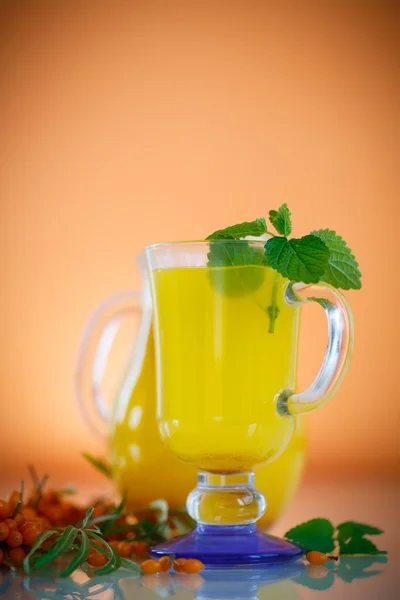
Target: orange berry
<point>1,555</point>
<point>29,512</point>
<point>11,524</point>
<point>114,544</point>
<point>14,538</point>
<point>97,559</point>
<point>192,565</point>
<point>5,510</point>
<point>150,567</point>
<point>30,532</point>
<point>165,563</point>
<point>124,549</point>
<point>19,519</point>
<point>17,555</point>
<point>4,531</point>
<point>139,547</point>
<point>179,565</point>
<point>316,558</point>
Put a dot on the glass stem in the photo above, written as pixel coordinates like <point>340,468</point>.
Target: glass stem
<point>273,309</point>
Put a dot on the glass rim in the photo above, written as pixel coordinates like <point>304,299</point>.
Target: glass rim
<point>200,242</point>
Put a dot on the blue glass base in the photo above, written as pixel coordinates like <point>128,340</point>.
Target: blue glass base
<point>240,545</point>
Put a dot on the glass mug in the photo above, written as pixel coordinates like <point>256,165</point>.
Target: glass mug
<point>141,464</point>
<point>226,400</point>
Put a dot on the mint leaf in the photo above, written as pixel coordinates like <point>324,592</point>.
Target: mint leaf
<point>358,545</point>
<point>233,253</point>
<point>349,529</point>
<point>303,259</point>
<point>342,269</point>
<point>281,220</point>
<point>316,534</point>
<point>236,232</point>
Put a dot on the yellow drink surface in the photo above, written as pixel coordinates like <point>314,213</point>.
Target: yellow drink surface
<point>220,368</point>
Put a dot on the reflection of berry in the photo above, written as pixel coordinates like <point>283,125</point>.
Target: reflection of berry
<point>316,558</point>
<point>150,567</point>
<point>17,555</point>
<point>4,509</point>
<point>317,571</point>
<point>14,538</point>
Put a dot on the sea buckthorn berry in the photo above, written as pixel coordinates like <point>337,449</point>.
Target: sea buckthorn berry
<point>114,544</point>
<point>30,532</point>
<point>124,549</point>
<point>316,558</point>
<point>4,531</point>
<point>1,555</point>
<point>97,559</point>
<point>29,512</point>
<point>140,547</point>
<point>150,567</point>
<point>19,519</point>
<point>17,555</point>
<point>11,524</point>
<point>165,563</point>
<point>179,565</point>
<point>5,510</point>
<point>192,565</point>
<point>14,538</point>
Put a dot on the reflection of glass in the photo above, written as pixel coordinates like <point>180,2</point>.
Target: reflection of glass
<point>226,387</point>
<point>135,444</point>
<point>276,583</point>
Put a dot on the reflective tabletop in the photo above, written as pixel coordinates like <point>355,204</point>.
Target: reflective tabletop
<point>372,577</point>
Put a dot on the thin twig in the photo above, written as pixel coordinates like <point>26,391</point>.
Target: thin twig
<point>39,490</point>
<point>19,503</point>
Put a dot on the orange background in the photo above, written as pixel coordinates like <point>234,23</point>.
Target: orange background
<point>125,123</point>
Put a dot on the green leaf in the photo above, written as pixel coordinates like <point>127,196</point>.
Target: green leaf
<point>38,542</point>
<point>303,259</point>
<point>99,464</point>
<point>281,220</point>
<point>342,268</point>
<point>64,544</point>
<point>131,565</point>
<point>316,534</point>
<point>236,232</point>
<point>87,516</point>
<point>115,560</point>
<point>358,545</point>
<point>348,529</point>
<point>234,253</point>
<point>79,558</point>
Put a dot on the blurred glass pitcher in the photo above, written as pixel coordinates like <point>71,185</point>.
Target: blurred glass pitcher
<point>141,463</point>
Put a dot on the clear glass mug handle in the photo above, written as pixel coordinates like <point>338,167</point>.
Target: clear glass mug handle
<point>338,351</point>
<point>94,350</point>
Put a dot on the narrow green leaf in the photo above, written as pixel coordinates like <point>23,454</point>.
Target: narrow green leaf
<point>281,220</point>
<point>38,542</point>
<point>120,507</point>
<point>303,260</point>
<point>64,544</point>
<point>87,517</point>
<point>316,534</point>
<point>80,557</point>
<point>99,464</point>
<point>131,566</point>
<point>236,232</point>
<point>348,529</point>
<point>342,268</point>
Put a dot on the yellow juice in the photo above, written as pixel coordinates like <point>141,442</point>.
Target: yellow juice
<point>220,368</point>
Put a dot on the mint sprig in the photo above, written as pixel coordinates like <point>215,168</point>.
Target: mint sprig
<point>281,220</point>
<point>303,259</point>
<point>236,232</point>
<point>321,535</point>
<point>342,268</point>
